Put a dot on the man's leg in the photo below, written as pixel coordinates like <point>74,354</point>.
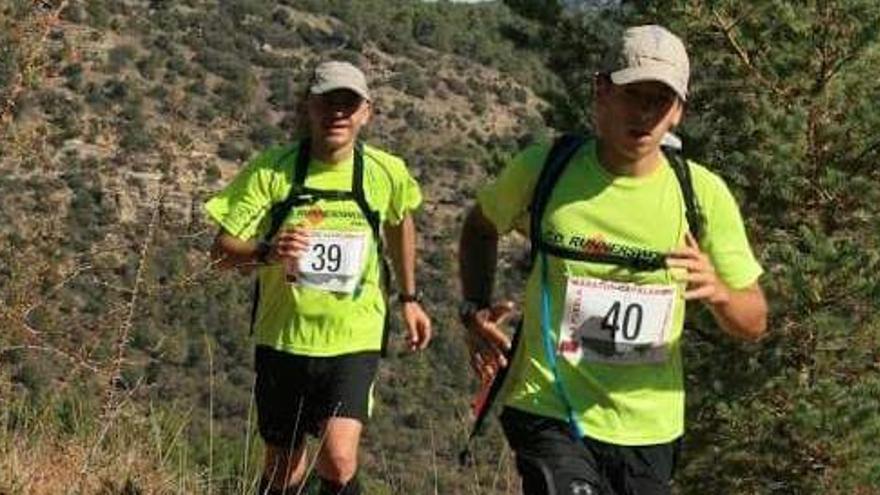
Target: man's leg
<point>283,470</point>
<point>337,460</point>
<point>347,394</point>
<point>548,459</point>
<point>283,418</point>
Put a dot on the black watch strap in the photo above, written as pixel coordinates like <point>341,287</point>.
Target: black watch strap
<point>409,297</point>
<point>468,307</point>
<point>263,250</point>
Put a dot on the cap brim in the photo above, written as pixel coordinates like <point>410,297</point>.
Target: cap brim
<point>326,88</point>
<point>660,73</point>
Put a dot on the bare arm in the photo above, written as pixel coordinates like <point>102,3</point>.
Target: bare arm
<point>230,252</point>
<point>488,345</point>
<point>477,257</point>
<point>401,240</point>
<point>744,314</point>
<point>741,313</point>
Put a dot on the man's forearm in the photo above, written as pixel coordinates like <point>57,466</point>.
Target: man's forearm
<point>402,249</point>
<point>744,314</point>
<point>231,252</point>
<point>477,257</point>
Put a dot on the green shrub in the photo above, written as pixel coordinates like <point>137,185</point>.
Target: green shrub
<point>234,149</point>
<point>120,57</point>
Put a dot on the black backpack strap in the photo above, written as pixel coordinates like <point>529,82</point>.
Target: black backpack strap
<point>563,149</point>
<point>357,189</point>
<point>641,261</point>
<point>297,194</point>
<point>691,206</point>
<point>278,211</point>
<point>301,171</point>
<point>375,221</point>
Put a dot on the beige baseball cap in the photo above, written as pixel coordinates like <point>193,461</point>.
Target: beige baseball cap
<point>649,53</point>
<point>338,75</point>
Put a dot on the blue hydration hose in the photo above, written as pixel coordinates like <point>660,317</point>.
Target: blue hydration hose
<point>550,351</point>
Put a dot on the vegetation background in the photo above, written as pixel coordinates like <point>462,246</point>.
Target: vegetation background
<point>125,361</point>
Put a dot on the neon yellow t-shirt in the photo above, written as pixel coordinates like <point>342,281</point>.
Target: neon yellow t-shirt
<point>640,402</point>
<point>306,320</point>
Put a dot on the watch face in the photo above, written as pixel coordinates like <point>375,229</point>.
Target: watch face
<point>467,308</point>
<point>408,298</point>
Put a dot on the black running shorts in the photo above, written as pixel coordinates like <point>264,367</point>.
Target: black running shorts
<point>295,394</point>
<point>551,462</point>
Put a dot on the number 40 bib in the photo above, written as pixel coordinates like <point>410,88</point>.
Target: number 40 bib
<point>615,323</point>
<point>334,261</point>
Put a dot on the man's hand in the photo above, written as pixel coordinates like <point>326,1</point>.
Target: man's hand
<point>702,281</point>
<point>741,312</point>
<point>289,244</point>
<point>287,248</point>
<point>418,326</point>
<point>488,345</point>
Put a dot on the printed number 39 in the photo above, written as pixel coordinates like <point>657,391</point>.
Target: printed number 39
<point>328,256</point>
<point>631,325</point>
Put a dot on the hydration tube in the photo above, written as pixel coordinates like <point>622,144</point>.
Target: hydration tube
<point>550,351</point>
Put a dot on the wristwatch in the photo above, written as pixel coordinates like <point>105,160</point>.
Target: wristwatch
<point>468,308</point>
<point>264,249</point>
<point>405,297</point>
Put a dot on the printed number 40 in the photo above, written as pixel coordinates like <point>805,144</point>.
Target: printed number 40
<point>631,325</point>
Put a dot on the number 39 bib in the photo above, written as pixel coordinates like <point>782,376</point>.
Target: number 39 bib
<point>615,323</point>
<point>334,261</point>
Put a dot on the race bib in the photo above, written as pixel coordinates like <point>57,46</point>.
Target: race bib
<point>617,323</point>
<point>334,261</point>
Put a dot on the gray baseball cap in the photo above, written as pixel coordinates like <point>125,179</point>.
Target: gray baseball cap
<point>649,53</point>
<point>338,75</point>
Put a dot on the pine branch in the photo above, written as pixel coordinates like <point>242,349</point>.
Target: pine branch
<point>727,27</point>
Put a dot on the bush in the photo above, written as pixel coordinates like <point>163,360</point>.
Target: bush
<point>225,64</point>
<point>236,96</point>
<point>282,94</point>
<point>73,74</point>
<point>212,173</point>
<point>265,134</point>
<point>99,16</point>
<point>136,138</point>
<point>120,57</point>
<point>234,149</point>
<point>178,64</point>
<point>8,63</point>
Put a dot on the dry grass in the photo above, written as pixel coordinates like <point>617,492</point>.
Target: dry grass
<point>41,458</point>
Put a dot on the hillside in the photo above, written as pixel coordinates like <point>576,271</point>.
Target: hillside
<point>136,112</point>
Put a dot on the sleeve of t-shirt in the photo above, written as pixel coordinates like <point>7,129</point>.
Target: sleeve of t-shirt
<point>243,204</point>
<point>726,241</point>
<point>406,195</point>
<point>505,201</point>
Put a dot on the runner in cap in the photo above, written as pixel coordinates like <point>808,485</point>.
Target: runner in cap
<point>312,218</point>
<point>622,235</point>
